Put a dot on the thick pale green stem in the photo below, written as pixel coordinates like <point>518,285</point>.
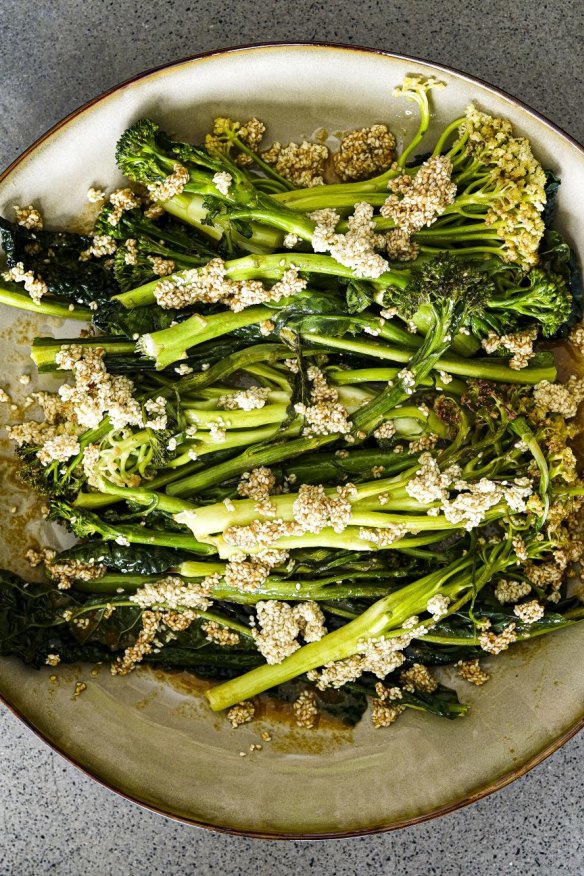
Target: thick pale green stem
<point>169,345</point>
<point>44,350</point>
<point>349,540</point>
<point>486,369</point>
<point>268,267</point>
<point>12,296</point>
<point>384,617</point>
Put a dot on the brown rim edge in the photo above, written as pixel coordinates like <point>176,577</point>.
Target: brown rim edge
<point>509,777</point>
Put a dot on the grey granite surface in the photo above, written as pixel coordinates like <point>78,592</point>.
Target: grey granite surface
<point>55,55</point>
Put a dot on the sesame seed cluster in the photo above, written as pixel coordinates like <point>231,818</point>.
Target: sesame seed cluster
<point>520,344</point>
<point>364,152</point>
<point>280,625</point>
<point>301,163</point>
<point>416,202</point>
<point>354,248</point>
<point>211,285</point>
<point>325,415</point>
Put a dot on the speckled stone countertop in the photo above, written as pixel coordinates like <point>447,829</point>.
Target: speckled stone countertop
<point>56,54</point>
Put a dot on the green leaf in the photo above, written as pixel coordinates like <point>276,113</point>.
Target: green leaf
<point>54,257</point>
<point>133,559</point>
<point>358,296</point>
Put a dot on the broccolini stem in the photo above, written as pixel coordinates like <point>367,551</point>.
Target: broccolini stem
<point>269,267</point>
<point>340,201</point>
<point>569,619</point>
<point>169,345</point>
<point>294,590</point>
<point>44,350</point>
<point>351,539</point>
<point>384,618</point>
<point>94,500</point>
<point>343,377</point>
<point>264,353</point>
<point>141,535</point>
<point>487,369</point>
<point>236,438</point>
<point>188,207</point>
<point>14,297</point>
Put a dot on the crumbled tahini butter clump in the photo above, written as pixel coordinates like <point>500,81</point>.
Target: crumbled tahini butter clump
<point>325,415</point>
<point>247,574</point>
<point>156,410</point>
<point>364,153</point>
<point>96,391</point>
<point>520,344</point>
<point>276,638</point>
<point>68,571</point>
<point>383,537</point>
<point>219,634</point>
<point>222,182</point>
<point>511,591</point>
<point>313,510</point>
<point>172,185</point>
<point>260,532</point>
<point>143,645</point>
<point>301,163</point>
<point>258,484</point>
<point>470,670</point>
<point>577,337</point>
<point>242,713</point>
<point>529,612</point>
<point>101,245</point>
<point>385,432</point>
<point>384,714</point>
<point>161,267</point>
<point>95,195</point>
<point>173,593</point>
<point>121,201</point>
<point>418,678</point>
<point>437,606</point>
<point>53,660</point>
<point>493,643</point>
<point>35,286</point>
<point>559,398</point>
<point>473,501</point>
<point>244,399</point>
<point>210,284</point>
<point>305,710</point>
<point>380,656</point>
<point>60,449</point>
<point>29,217</point>
<point>356,248</point>
<point>416,202</point>
<point>281,624</point>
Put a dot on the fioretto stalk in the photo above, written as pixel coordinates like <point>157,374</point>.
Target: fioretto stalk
<point>384,619</point>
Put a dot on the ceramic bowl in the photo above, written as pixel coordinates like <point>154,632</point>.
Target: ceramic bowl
<point>152,737</point>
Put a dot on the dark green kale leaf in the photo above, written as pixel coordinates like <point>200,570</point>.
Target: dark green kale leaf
<point>552,186</point>
<point>54,257</point>
<point>558,257</point>
<point>133,559</point>
<point>358,296</point>
<point>210,662</point>
<point>31,619</point>
<point>113,318</point>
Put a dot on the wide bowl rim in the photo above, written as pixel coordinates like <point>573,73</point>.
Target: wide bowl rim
<point>439,811</point>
